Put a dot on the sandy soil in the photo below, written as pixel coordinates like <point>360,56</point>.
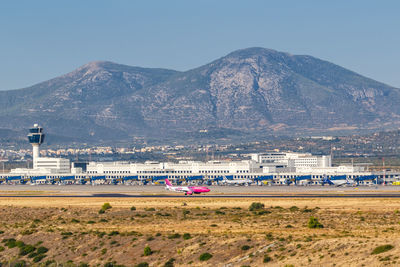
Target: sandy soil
<point>73,230</point>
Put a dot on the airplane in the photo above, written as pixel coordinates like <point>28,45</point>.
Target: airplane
<point>339,182</point>
<point>188,190</point>
<point>236,181</point>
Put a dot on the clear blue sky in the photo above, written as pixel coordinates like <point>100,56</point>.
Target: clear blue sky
<point>40,40</point>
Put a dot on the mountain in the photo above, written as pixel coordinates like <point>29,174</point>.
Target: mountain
<point>254,91</point>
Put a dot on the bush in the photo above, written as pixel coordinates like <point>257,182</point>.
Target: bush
<point>293,208</point>
<point>185,212</point>
<point>269,236</point>
<point>10,243</point>
<point>186,236</point>
<point>245,247</point>
<point>21,263</point>
<point>173,236</point>
<point>25,250</point>
<point>1,248</point>
<point>382,249</point>
<point>106,206</point>
<point>205,256</point>
<point>267,259</point>
<point>112,233</point>
<point>147,251</point>
<point>20,244</point>
<point>42,250</point>
<point>142,264</point>
<point>133,208</point>
<point>169,263</point>
<point>262,212</point>
<point>150,209</point>
<point>112,264</point>
<point>101,211</point>
<point>314,223</point>
<point>39,258</point>
<point>82,264</point>
<point>256,206</point>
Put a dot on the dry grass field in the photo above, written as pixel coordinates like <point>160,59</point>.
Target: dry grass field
<point>73,232</point>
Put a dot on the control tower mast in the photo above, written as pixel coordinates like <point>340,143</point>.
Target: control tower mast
<point>36,138</point>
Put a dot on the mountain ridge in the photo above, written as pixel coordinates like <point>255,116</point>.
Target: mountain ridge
<point>250,91</point>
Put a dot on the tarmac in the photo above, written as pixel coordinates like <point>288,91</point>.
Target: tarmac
<point>314,191</point>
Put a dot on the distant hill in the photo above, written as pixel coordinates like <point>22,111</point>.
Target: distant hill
<point>252,91</point>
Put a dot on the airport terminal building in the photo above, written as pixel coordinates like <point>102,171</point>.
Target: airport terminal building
<point>263,168</point>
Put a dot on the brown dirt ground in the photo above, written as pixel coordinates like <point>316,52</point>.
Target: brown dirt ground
<point>73,230</point>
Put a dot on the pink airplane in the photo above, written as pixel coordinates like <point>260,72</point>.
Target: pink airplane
<point>188,190</point>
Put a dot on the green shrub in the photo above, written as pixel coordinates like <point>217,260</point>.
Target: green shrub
<point>150,209</point>
<point>173,236</point>
<point>112,264</point>
<point>2,248</point>
<point>147,251</point>
<point>133,208</point>
<point>75,221</point>
<point>256,206</point>
<point>293,208</point>
<point>32,254</point>
<point>262,212</point>
<point>112,233</point>
<point>10,243</point>
<point>21,263</point>
<point>1,232</point>
<point>267,259</point>
<point>185,212</point>
<point>25,250</point>
<point>91,222</point>
<point>142,264</point>
<point>382,249</point>
<point>66,233</point>
<point>20,244</point>
<point>42,250</point>
<point>218,212</point>
<point>39,258</point>
<point>245,247</point>
<point>205,256</point>
<point>106,206</point>
<point>314,223</point>
<point>82,264</point>
<point>101,211</point>
<point>103,251</point>
<point>169,263</point>
<point>269,236</point>
<point>186,236</point>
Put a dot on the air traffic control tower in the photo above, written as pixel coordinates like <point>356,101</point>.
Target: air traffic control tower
<point>36,138</point>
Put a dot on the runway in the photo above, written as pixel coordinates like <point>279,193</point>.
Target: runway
<point>291,196</point>
<point>154,191</point>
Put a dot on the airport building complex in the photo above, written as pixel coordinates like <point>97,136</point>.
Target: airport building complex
<point>262,168</point>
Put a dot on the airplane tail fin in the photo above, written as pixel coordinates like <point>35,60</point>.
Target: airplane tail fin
<point>327,181</point>
<point>167,182</point>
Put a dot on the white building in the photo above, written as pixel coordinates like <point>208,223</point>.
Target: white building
<point>293,159</point>
<point>46,166</point>
<point>182,168</point>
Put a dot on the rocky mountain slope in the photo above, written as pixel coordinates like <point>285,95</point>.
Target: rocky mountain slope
<point>249,91</point>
